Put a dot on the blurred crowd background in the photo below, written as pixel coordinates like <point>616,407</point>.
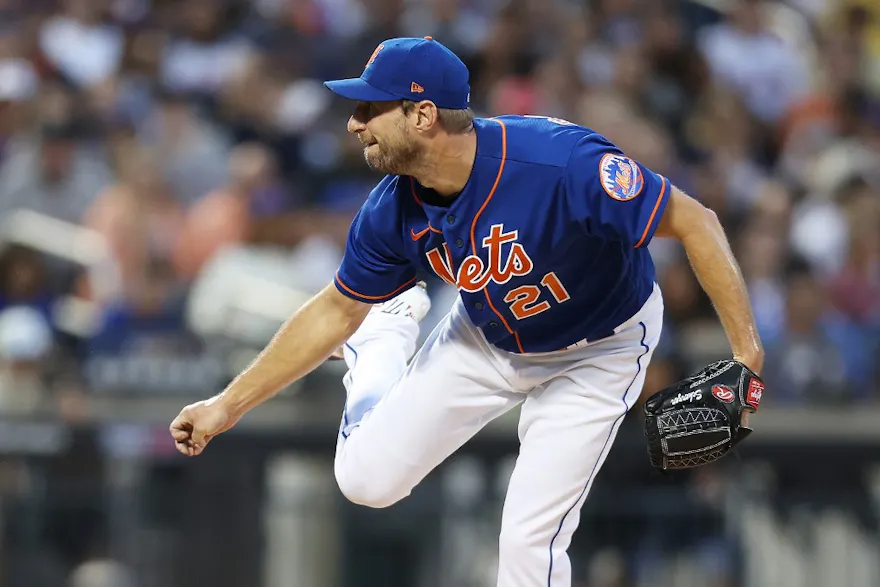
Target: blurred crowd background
<point>175,180</point>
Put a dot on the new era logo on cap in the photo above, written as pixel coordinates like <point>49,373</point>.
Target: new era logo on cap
<point>409,69</point>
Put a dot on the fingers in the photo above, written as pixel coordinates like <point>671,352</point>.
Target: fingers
<point>181,424</point>
<point>191,430</point>
<point>183,432</point>
<point>187,445</point>
<point>190,448</point>
<point>184,448</point>
<point>198,437</point>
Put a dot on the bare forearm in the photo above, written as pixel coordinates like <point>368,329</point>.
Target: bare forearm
<point>719,275</point>
<point>300,345</point>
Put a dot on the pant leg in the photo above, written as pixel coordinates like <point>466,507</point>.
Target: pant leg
<point>376,355</point>
<point>567,427</point>
<point>448,392</point>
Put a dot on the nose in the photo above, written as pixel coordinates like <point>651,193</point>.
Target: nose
<point>355,126</point>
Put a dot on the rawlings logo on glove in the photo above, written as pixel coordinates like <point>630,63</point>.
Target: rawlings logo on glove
<point>699,419</point>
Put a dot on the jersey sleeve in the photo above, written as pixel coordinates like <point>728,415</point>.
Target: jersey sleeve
<point>374,268</point>
<point>613,196</point>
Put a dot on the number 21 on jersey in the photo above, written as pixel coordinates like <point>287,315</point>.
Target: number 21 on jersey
<point>526,300</point>
<point>474,274</point>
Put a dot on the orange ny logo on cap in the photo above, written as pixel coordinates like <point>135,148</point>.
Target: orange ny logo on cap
<point>416,88</point>
<point>373,56</point>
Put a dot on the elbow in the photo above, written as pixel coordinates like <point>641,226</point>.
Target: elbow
<point>353,321</point>
<point>687,219</point>
<point>711,216</point>
<point>701,225</point>
<point>706,216</point>
<point>704,224</point>
<point>351,312</point>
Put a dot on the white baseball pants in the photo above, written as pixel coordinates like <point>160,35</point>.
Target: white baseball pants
<point>401,421</point>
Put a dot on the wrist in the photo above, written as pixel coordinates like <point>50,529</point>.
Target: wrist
<point>231,402</point>
<point>753,359</point>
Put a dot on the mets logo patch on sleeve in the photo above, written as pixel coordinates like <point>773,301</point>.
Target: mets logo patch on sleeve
<point>621,177</point>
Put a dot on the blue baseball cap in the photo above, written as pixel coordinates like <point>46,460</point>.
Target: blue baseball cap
<point>410,68</point>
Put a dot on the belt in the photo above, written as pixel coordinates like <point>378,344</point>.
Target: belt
<point>584,342</point>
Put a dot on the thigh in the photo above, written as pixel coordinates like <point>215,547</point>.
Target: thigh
<point>450,390</point>
<point>567,427</point>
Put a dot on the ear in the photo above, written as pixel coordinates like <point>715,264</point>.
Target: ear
<point>426,116</point>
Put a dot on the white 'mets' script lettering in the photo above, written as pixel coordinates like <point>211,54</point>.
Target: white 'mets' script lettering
<point>473,274</point>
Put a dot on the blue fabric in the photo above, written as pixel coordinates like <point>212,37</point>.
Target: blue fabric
<point>413,69</point>
<point>547,242</point>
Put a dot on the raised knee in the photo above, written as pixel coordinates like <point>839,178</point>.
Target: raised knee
<point>369,490</point>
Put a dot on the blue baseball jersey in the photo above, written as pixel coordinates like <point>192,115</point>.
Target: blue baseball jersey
<point>546,243</point>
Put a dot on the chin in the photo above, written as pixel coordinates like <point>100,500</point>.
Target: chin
<point>376,163</point>
<point>372,162</point>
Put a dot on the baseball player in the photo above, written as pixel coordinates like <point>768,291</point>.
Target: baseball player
<point>543,227</point>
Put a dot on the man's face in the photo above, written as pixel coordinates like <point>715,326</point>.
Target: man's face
<point>383,129</point>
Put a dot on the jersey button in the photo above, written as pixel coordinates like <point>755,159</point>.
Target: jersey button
<point>493,325</point>
<point>459,243</point>
<point>450,219</point>
<point>479,305</point>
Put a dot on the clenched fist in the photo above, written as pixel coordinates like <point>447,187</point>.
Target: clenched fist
<point>198,423</point>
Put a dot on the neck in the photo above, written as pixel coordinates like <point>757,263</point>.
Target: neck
<point>448,169</point>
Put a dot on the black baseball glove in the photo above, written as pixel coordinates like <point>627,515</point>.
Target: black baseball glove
<point>699,419</point>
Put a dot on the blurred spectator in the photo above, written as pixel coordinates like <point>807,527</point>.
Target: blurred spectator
<point>751,61</point>
<point>147,322</point>
<point>193,149</point>
<point>856,287</point>
<point>25,346</point>
<point>26,336</point>
<point>225,217</point>
<point>762,254</point>
<point>859,21</point>
<point>23,281</point>
<point>18,85</point>
<point>53,171</point>
<point>142,223</point>
<point>204,49</point>
<point>139,218</point>
<point>804,364</point>
<point>80,44</point>
<point>255,208</point>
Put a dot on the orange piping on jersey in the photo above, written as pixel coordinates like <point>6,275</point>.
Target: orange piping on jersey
<point>474,228</point>
<point>412,185</point>
<point>417,235</point>
<point>653,212</point>
<point>363,297</point>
